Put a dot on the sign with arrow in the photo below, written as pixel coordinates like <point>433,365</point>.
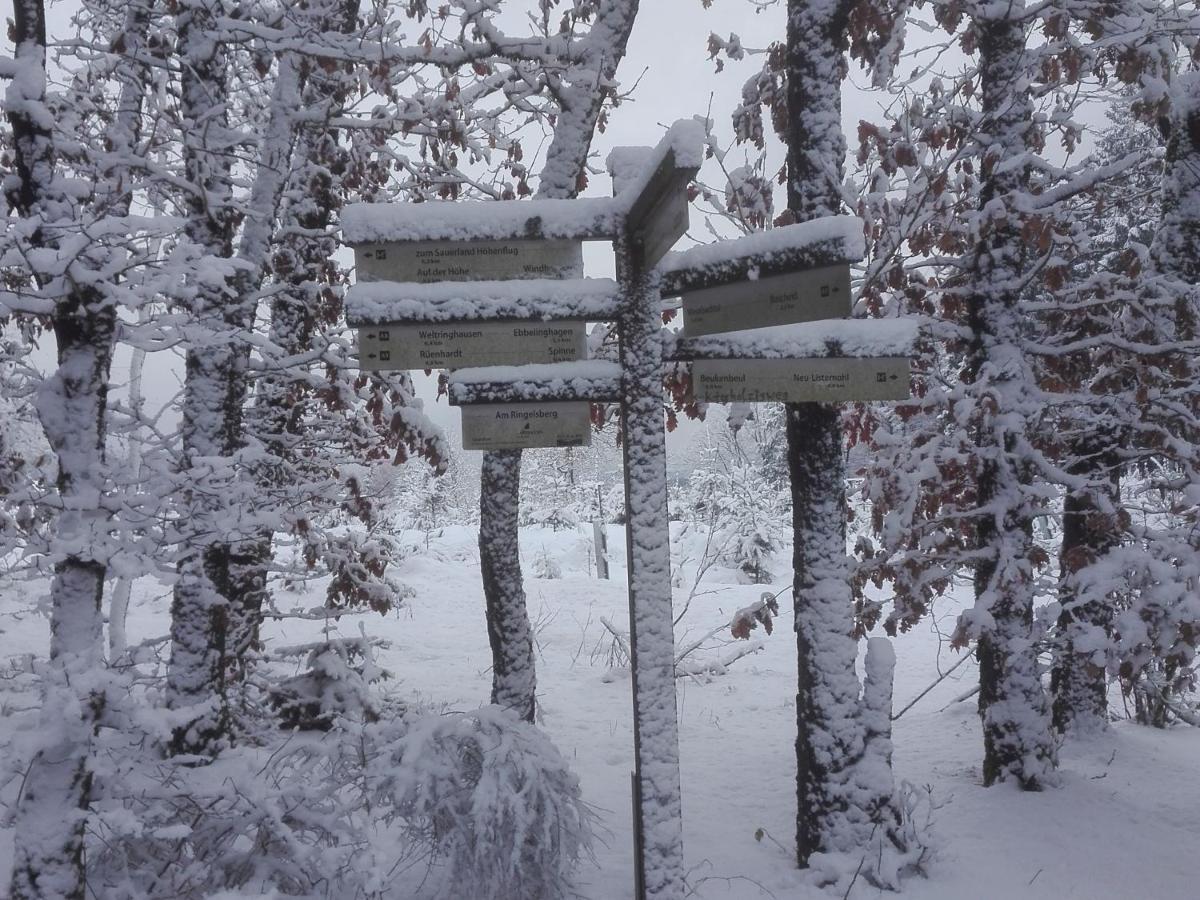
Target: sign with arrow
<point>658,216</point>
<point>821,380</point>
<point>427,261</point>
<point>806,296</point>
<point>520,426</point>
<point>455,346</point>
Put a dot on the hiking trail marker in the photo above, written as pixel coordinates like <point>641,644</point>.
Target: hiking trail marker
<point>816,294</point>
<point>766,319</point>
<point>493,290</point>
<point>426,261</point>
<point>514,426</point>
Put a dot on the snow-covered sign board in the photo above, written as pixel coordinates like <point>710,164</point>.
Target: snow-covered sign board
<point>426,261</point>
<point>658,209</point>
<point>520,426</point>
<point>822,380</point>
<point>807,296</point>
<point>454,346</point>
<point>667,222</point>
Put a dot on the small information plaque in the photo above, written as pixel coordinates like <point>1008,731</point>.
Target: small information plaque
<point>426,261</point>
<point>800,380</point>
<point>520,426</point>
<point>390,347</point>
<point>665,224</point>
<point>807,296</point>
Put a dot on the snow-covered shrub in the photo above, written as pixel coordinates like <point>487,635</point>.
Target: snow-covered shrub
<point>256,822</point>
<point>744,513</point>
<point>545,566</point>
<point>894,850</point>
<point>556,518</point>
<point>336,682</point>
<point>497,800</point>
<point>469,805</point>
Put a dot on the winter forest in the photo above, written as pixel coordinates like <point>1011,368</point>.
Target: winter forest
<point>267,628</point>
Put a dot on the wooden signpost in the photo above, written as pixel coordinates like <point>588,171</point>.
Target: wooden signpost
<point>538,331</point>
<point>522,380</point>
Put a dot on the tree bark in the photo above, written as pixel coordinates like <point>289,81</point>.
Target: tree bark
<point>839,799</point>
<point>214,391</point>
<point>48,847</point>
<point>1012,704</point>
<point>499,545</point>
<point>829,737</point>
<point>514,679</point>
<point>1090,530</point>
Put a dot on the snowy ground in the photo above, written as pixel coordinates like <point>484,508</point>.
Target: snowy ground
<point>1124,823</point>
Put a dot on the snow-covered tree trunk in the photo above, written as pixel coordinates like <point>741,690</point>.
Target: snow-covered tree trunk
<point>835,801</point>
<point>1176,247</point>
<point>829,735</point>
<point>1089,530</point>
<point>272,414</point>
<point>214,389</point>
<point>514,679</point>
<point>1016,725</point>
<point>48,847</point>
<point>581,101</point>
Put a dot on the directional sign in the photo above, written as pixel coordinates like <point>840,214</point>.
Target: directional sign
<point>658,213</point>
<point>822,380</point>
<point>388,347</point>
<point>665,224</point>
<point>519,426</point>
<point>426,261</point>
<point>808,296</point>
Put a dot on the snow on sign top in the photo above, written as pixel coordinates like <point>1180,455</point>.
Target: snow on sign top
<point>788,248</point>
<point>583,370</point>
<point>479,220</point>
<point>382,302</point>
<point>632,168</point>
<point>584,218</point>
<point>586,380</point>
<point>831,337</point>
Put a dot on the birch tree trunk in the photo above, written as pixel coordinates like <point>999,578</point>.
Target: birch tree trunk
<point>1016,727</point>
<point>514,680</point>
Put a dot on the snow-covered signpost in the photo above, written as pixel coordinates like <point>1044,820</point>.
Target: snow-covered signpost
<point>513,316</point>
<point>843,747</point>
<point>764,320</point>
<point>493,286</point>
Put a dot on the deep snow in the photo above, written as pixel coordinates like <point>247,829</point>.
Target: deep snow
<point>1124,822</point>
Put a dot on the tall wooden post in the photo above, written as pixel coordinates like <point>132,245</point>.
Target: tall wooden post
<point>658,823</point>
